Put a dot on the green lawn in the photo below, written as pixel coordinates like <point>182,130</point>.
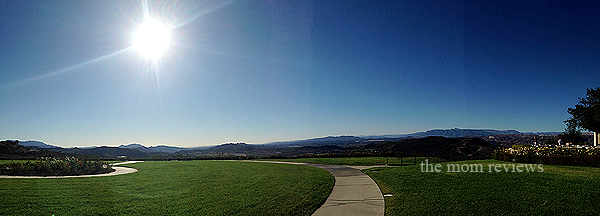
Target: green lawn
<point>11,161</point>
<point>175,188</point>
<point>559,190</point>
<point>355,161</point>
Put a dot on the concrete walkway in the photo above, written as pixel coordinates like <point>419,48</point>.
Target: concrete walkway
<point>118,171</point>
<point>354,192</point>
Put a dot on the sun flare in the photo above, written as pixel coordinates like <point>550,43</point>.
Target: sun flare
<point>151,39</point>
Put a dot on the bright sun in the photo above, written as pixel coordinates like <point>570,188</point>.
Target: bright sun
<point>151,39</point>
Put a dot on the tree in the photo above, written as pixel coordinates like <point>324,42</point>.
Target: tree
<point>586,114</point>
<point>572,136</point>
<point>552,141</point>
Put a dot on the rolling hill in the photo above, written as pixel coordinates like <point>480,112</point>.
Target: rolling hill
<point>447,148</point>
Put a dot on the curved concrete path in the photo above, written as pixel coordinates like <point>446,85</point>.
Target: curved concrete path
<point>354,193</point>
<point>118,171</point>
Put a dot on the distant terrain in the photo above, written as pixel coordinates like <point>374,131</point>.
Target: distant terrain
<point>436,146</point>
<point>13,150</point>
<point>36,144</point>
<point>451,144</point>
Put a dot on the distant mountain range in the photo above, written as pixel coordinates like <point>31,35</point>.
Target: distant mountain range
<point>457,132</point>
<point>330,140</point>
<point>10,150</point>
<point>306,146</point>
<point>130,150</point>
<point>159,148</point>
<point>36,144</point>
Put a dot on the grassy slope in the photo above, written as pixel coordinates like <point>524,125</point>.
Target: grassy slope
<point>353,161</point>
<point>175,188</point>
<point>557,190</point>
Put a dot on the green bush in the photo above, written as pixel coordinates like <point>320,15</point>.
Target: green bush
<point>55,167</point>
<point>550,156</point>
<point>588,161</point>
<point>503,156</point>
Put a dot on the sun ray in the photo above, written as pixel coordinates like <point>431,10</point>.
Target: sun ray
<point>201,13</point>
<point>145,8</point>
<point>67,69</point>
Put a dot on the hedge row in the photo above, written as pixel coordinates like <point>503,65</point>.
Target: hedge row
<point>55,167</point>
<point>588,161</point>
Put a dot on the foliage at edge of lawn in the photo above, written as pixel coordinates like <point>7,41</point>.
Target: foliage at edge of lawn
<point>550,156</point>
<point>50,166</point>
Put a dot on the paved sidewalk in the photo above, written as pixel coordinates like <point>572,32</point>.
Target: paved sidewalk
<point>354,192</point>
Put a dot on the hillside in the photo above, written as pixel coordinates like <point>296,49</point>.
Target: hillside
<point>447,148</point>
<point>456,132</point>
<point>108,151</point>
<point>131,150</point>
<point>232,148</point>
<point>12,150</point>
<point>343,141</point>
<point>36,144</point>
<point>166,149</point>
<point>261,150</point>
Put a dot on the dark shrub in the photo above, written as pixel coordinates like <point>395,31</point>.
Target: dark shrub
<point>56,167</point>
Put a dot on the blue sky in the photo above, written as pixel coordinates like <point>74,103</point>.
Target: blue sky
<point>262,71</point>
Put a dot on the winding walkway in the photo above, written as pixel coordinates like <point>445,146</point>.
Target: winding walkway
<point>118,171</point>
<point>354,193</point>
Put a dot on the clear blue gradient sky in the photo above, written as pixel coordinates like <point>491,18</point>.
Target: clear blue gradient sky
<point>262,71</point>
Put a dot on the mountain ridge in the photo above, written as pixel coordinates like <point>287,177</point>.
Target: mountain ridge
<point>458,132</point>
<point>344,141</point>
<point>36,144</point>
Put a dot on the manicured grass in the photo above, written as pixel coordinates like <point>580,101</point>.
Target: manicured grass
<point>175,188</point>
<point>356,161</point>
<point>11,161</point>
<point>560,190</point>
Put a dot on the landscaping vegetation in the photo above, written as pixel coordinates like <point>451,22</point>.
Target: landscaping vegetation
<point>549,151</point>
<point>561,190</point>
<point>360,161</point>
<point>47,166</point>
<point>175,188</point>
<point>550,155</point>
